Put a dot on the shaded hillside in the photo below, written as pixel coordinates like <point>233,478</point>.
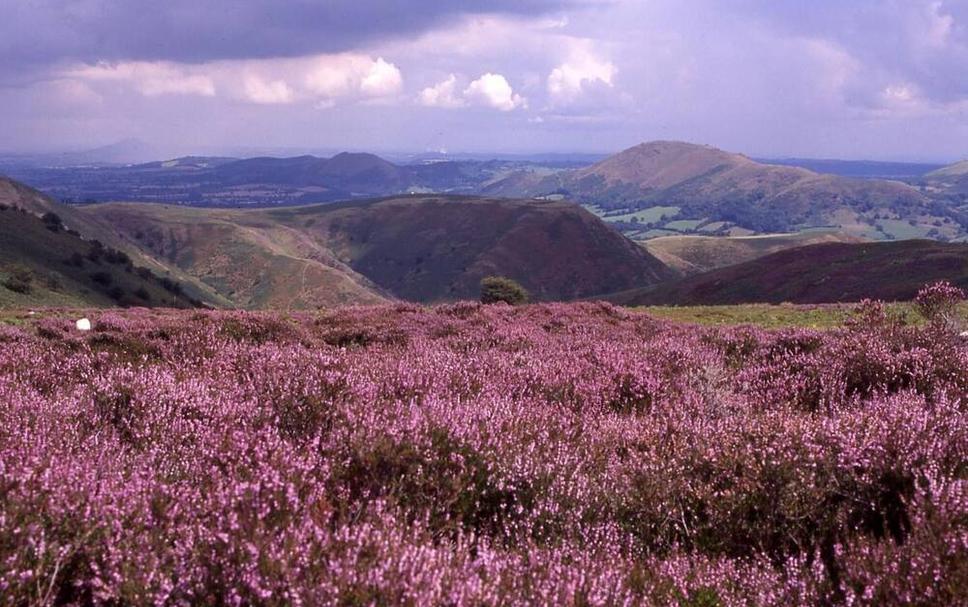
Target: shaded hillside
<point>696,254</point>
<point>438,248</point>
<point>90,228</point>
<point>416,248</point>
<point>707,184</point>
<point>43,263</point>
<point>247,258</point>
<point>821,273</point>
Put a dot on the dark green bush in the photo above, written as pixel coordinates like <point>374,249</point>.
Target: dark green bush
<point>20,281</point>
<point>496,289</point>
<point>52,221</point>
<point>101,278</point>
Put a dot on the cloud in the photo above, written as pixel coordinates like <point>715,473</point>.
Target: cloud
<point>443,94</point>
<point>383,79</point>
<point>568,80</point>
<point>258,90</point>
<point>493,90</point>
<point>192,31</point>
<point>150,79</point>
<point>321,79</point>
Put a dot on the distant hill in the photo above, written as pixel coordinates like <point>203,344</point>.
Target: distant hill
<point>263,181</point>
<point>820,273</point>
<point>952,180</point>
<point>43,262</point>
<point>863,169</point>
<point>710,185</point>
<point>696,254</point>
<point>418,248</point>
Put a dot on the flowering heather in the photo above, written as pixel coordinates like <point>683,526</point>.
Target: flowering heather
<point>480,455</point>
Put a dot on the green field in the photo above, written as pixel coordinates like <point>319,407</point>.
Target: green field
<point>902,230</point>
<point>826,316</point>
<point>650,215</point>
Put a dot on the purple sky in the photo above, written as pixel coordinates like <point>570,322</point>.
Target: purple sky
<point>878,79</point>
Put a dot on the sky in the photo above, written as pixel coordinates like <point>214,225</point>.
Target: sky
<point>862,79</point>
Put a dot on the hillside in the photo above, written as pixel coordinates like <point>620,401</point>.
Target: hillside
<point>42,263</point>
<point>820,273</point>
<point>950,180</point>
<point>20,196</point>
<point>696,254</point>
<point>704,185</point>
<point>426,249</point>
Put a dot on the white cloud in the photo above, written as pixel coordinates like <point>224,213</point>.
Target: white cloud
<point>583,68</point>
<point>318,79</point>
<point>443,94</point>
<point>149,78</point>
<point>259,90</point>
<point>493,90</point>
<point>382,80</point>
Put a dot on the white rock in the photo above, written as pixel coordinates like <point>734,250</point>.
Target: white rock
<point>83,324</point>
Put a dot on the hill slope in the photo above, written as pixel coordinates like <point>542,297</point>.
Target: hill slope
<point>416,248</point>
<point>44,264</point>
<point>952,179</point>
<point>820,273</point>
<point>704,183</point>
<point>696,254</point>
<point>91,228</point>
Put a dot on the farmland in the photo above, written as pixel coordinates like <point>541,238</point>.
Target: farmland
<point>551,454</point>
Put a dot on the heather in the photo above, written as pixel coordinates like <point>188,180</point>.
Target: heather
<point>468,454</point>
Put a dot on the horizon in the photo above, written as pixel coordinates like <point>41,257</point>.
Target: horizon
<point>870,81</point>
<point>403,156</point>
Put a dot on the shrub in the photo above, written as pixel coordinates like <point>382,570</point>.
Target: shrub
<point>52,221</point>
<point>20,281</point>
<point>116,257</point>
<point>102,278</point>
<point>496,289</point>
<point>170,285</point>
<point>76,260</point>
<point>96,251</point>
<point>143,294</point>
<point>937,302</point>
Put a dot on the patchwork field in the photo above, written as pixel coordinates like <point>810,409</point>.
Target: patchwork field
<point>553,454</point>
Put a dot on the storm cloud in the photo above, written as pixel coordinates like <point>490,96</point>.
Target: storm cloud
<point>866,78</point>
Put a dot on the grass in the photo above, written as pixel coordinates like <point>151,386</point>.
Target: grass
<point>820,316</point>
<point>650,215</point>
<point>902,230</point>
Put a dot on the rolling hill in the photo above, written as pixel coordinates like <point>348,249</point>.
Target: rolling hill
<point>418,248</point>
<point>45,263</point>
<point>696,254</point>
<point>17,195</point>
<point>706,184</point>
<point>951,180</point>
<point>819,273</point>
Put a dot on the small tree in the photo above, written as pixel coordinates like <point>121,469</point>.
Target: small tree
<point>499,288</point>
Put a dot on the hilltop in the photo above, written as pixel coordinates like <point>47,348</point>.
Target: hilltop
<point>710,190</point>
<point>819,273</point>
